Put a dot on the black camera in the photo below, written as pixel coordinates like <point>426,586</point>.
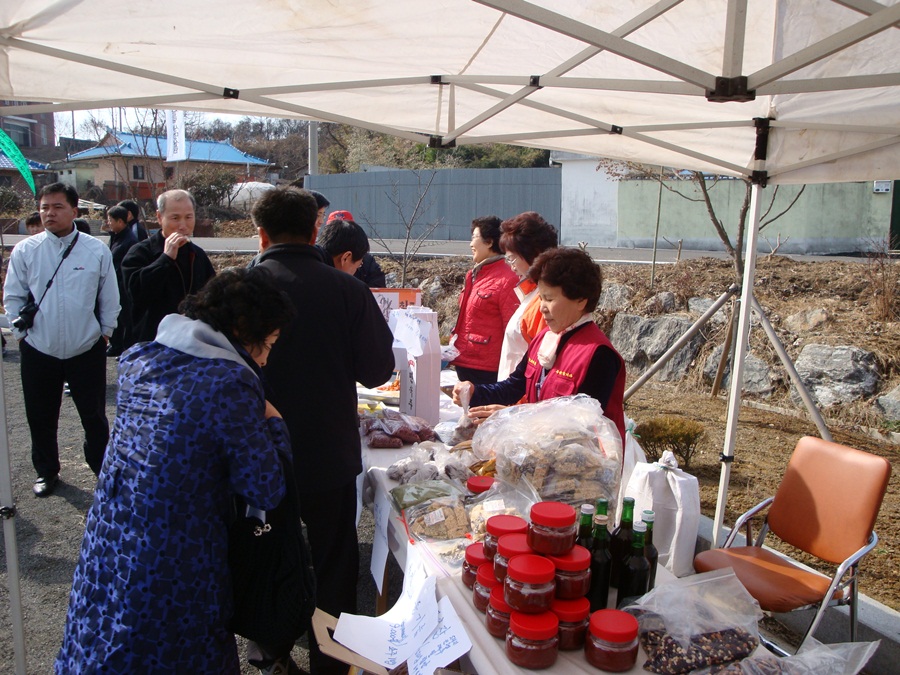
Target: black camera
<point>25,320</point>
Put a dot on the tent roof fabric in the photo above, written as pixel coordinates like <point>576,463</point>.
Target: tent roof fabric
<point>123,144</point>
<point>673,82</point>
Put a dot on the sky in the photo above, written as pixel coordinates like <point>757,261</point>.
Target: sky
<point>118,117</point>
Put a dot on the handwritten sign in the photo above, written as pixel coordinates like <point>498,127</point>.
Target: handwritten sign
<point>446,643</point>
<point>382,512</point>
<point>396,298</point>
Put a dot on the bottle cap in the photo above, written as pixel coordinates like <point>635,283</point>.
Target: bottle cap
<point>552,514</point>
<point>502,524</point>
<point>648,516</point>
<point>587,508</point>
<point>601,519</point>
<point>530,569</point>
<point>485,576</point>
<point>640,526</point>
<point>613,625</point>
<point>579,558</point>
<point>497,600</point>
<point>541,626</point>
<point>571,610</point>
<point>475,555</point>
<point>479,484</point>
<point>511,545</point>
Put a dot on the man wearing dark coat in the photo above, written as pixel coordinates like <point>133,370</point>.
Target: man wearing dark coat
<point>121,239</point>
<point>160,271</point>
<point>339,338</point>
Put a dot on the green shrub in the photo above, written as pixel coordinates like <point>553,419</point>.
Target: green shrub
<point>12,203</point>
<point>677,434</point>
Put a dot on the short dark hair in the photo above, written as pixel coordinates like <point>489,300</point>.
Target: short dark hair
<point>572,270</point>
<point>118,213</point>
<point>527,235</point>
<point>33,219</point>
<point>321,200</point>
<point>242,303</point>
<point>286,214</point>
<point>339,236</point>
<point>489,226</point>
<point>60,188</point>
<point>132,207</point>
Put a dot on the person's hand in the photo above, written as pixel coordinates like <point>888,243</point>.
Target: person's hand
<point>174,242</point>
<point>480,413</point>
<point>271,411</point>
<point>459,391</point>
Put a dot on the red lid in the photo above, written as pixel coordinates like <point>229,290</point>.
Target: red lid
<point>571,610</point>
<point>497,600</point>
<point>530,569</point>
<point>478,484</point>
<point>510,545</point>
<point>485,576</point>
<point>541,626</point>
<point>505,524</point>
<point>475,555</point>
<point>577,559</point>
<point>614,625</point>
<point>553,514</point>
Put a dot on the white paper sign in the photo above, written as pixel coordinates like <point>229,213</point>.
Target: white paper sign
<point>447,643</point>
<point>175,145</point>
<point>382,512</point>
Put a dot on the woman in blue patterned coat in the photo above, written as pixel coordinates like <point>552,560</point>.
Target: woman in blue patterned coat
<point>152,590</point>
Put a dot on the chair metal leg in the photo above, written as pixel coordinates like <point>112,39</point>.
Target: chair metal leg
<point>854,604</point>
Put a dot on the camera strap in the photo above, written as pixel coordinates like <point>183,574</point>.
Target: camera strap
<point>61,260</point>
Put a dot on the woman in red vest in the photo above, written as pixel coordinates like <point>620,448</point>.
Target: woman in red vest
<point>571,356</point>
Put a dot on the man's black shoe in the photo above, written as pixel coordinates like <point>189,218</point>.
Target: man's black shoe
<point>44,486</point>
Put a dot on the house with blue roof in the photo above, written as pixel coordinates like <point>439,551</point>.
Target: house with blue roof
<point>127,165</point>
<point>10,176</point>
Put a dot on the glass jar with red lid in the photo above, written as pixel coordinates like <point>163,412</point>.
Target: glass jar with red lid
<point>533,640</point>
<point>474,559</point>
<point>485,581</point>
<point>530,584</point>
<point>611,642</point>
<point>552,528</point>
<point>573,622</point>
<point>508,547</point>
<point>496,527</point>
<point>573,573</point>
<point>478,484</point>
<point>496,617</point>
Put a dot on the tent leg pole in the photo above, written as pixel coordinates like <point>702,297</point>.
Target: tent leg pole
<point>737,371</point>
<point>671,351</point>
<point>7,515</point>
<point>792,370</point>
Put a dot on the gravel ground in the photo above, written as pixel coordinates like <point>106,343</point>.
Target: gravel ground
<point>49,532</point>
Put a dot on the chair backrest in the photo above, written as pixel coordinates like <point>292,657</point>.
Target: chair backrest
<point>829,498</point>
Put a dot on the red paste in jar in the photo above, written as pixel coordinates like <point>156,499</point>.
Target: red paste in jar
<point>496,527</point>
<point>573,573</point>
<point>508,547</point>
<point>474,559</point>
<point>573,622</point>
<point>532,641</point>
<point>496,618</point>
<point>530,584</point>
<point>485,581</point>
<point>611,643</point>
<point>552,529</point>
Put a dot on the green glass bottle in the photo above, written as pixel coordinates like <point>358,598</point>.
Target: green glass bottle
<point>650,551</point>
<point>585,527</point>
<point>620,543</point>
<point>636,571</point>
<point>602,507</point>
<point>601,561</point>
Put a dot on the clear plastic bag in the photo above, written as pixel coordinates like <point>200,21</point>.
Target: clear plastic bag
<point>846,658</point>
<point>438,519</point>
<point>706,620</point>
<point>500,498</point>
<point>565,447</point>
<point>410,494</point>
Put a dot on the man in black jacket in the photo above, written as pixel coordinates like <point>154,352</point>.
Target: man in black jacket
<point>160,271</point>
<point>339,338</point>
<point>121,239</point>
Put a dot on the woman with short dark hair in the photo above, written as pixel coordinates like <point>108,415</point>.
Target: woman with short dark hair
<point>152,590</point>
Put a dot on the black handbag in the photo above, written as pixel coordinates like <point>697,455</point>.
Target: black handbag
<point>272,576</point>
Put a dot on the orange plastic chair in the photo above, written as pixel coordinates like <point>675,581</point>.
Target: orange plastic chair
<point>826,506</point>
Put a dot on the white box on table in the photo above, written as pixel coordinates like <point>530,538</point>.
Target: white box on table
<point>417,355</point>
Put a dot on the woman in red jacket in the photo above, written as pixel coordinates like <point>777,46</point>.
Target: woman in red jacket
<point>486,304</point>
<point>571,356</point>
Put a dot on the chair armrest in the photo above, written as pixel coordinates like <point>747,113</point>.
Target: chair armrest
<point>744,519</point>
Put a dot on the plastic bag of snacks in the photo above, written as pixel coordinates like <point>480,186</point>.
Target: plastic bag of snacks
<point>500,498</point>
<point>565,447</point>
<point>846,658</point>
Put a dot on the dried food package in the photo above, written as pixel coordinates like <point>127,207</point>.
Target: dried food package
<point>565,447</point>
<point>816,658</point>
<point>438,519</point>
<point>410,494</point>
<point>500,498</point>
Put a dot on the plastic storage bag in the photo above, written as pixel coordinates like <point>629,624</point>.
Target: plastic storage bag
<point>846,658</point>
<point>564,447</point>
<point>500,498</point>
<point>674,497</point>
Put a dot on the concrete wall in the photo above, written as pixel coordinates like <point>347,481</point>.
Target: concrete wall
<point>381,201</point>
<point>590,203</point>
<point>828,218</point>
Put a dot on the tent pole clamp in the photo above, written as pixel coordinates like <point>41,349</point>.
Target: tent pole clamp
<point>726,459</point>
<point>731,89</point>
<point>615,129</point>
<point>535,81</point>
<point>437,142</point>
<point>7,512</point>
<point>227,92</point>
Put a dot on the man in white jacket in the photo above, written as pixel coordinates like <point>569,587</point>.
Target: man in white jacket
<point>70,277</point>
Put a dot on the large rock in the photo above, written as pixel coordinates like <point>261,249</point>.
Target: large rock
<point>759,379</point>
<point>641,341</point>
<point>614,297</point>
<point>836,375</point>
<point>699,306</point>
<point>889,404</point>
<point>805,321</point>
<point>661,303</point>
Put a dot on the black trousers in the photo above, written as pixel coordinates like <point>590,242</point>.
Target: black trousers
<point>42,385</point>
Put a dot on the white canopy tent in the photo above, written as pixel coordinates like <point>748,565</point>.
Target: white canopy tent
<point>780,91</point>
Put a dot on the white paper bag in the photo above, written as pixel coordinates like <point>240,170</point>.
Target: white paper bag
<point>674,496</point>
